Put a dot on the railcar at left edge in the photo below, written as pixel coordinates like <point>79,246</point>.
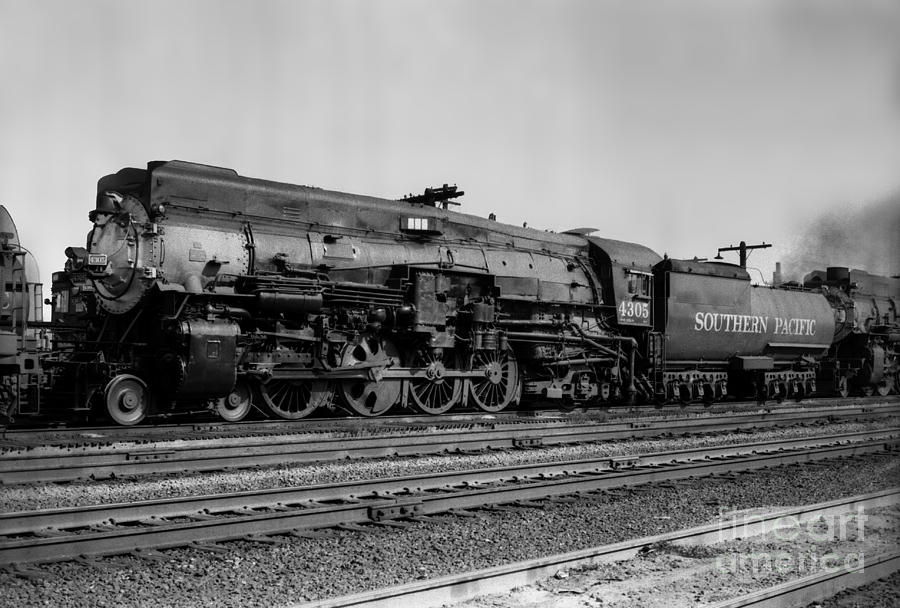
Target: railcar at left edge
<point>200,290</point>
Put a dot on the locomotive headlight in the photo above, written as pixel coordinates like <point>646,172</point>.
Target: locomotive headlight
<point>77,257</point>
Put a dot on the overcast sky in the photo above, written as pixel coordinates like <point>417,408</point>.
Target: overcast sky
<point>680,125</point>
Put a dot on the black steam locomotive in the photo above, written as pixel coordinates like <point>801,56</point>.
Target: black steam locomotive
<point>200,289</point>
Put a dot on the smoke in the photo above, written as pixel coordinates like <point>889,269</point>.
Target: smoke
<point>866,237</point>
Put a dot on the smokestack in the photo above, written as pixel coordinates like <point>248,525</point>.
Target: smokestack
<point>776,276</point>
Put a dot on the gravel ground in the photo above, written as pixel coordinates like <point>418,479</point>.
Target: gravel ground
<point>684,577</point>
<point>884,593</point>
<point>341,562</point>
<point>46,496</point>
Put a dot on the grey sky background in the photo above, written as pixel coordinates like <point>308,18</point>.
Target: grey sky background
<point>683,126</point>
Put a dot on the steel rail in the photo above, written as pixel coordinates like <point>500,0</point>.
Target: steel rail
<point>11,436</point>
<point>97,463</point>
<point>499,579</point>
<point>817,587</point>
<point>147,525</point>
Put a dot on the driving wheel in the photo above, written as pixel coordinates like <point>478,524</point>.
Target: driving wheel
<point>370,396</point>
<point>434,394</point>
<point>295,399</point>
<point>500,382</point>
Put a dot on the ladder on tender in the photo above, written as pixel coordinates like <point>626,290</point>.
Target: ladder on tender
<point>656,351</point>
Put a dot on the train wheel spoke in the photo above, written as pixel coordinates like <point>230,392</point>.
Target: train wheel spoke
<point>498,388</point>
<point>435,394</point>
<point>292,400</point>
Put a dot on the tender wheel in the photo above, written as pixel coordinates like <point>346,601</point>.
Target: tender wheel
<point>721,388</point>
<point>370,397</point>
<point>798,390</point>
<point>235,406</point>
<point>294,399</point>
<point>436,393</point>
<point>500,383</point>
<point>684,394</point>
<point>709,394</point>
<point>127,401</point>
<point>780,390</point>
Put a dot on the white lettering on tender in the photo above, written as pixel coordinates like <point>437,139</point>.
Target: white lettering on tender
<point>753,324</point>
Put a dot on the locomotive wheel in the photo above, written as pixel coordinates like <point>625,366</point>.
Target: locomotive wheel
<point>235,406</point>
<point>842,388</point>
<point>435,394</point>
<point>500,383</point>
<point>127,401</point>
<point>370,397</point>
<point>293,399</point>
<point>885,386</point>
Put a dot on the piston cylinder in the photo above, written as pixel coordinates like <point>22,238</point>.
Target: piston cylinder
<point>278,302</point>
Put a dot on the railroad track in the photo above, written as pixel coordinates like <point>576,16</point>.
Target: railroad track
<point>65,534</point>
<point>460,587</point>
<point>817,587</point>
<point>24,437</point>
<point>97,462</point>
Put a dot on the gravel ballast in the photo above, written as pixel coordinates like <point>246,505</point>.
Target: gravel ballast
<point>49,496</point>
<point>341,562</point>
<point>883,593</point>
<point>669,576</point>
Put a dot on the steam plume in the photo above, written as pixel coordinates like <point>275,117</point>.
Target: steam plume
<point>866,237</point>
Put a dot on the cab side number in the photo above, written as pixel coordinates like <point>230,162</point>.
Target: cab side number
<point>634,311</point>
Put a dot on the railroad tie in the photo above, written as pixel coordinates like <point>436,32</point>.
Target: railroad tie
<point>92,562</point>
<point>561,499</point>
<point>203,516</point>
<point>420,518</point>
<point>50,533</point>
<point>355,528</point>
<point>260,538</point>
<point>529,504</point>
<point>208,547</point>
<point>154,521</point>
<point>151,554</point>
<point>37,576</point>
<point>297,532</point>
<point>392,523</point>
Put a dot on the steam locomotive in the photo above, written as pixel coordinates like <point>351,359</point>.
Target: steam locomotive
<point>201,289</point>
